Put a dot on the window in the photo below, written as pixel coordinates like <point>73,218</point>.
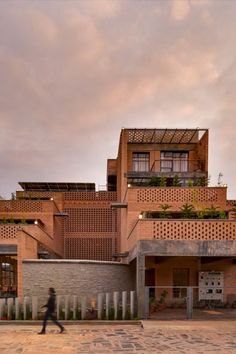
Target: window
<point>172,161</point>
<point>140,161</point>
<point>8,275</point>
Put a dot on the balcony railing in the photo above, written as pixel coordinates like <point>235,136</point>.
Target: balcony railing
<point>177,196</point>
<point>25,206</point>
<point>169,166</point>
<point>178,165</point>
<point>182,229</point>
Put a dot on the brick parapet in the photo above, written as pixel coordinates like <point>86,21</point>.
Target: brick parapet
<point>150,198</point>
<point>183,229</point>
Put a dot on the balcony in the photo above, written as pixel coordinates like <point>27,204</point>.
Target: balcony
<point>185,169</point>
<point>182,229</point>
<point>147,198</point>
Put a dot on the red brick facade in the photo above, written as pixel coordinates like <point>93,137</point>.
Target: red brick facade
<point>74,221</point>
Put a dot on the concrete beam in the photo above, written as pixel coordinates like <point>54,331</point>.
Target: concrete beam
<point>198,248</point>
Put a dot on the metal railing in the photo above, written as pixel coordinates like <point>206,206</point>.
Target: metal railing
<point>215,303</point>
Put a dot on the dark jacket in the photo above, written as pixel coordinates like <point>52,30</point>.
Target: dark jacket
<point>51,304</point>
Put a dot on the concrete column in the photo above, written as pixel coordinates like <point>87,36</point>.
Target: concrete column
<point>75,306</point>
<point>140,284</point>
<point>124,304</point>
<point>146,303</point>
<point>83,307</point>
<point>132,301</point>
<point>116,303</point>
<point>107,305</point>
<point>34,307</point>
<point>189,303</point>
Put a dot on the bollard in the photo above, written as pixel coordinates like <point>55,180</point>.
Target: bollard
<point>75,306</point>
<point>116,303</point>
<point>25,308</point>
<point>132,297</point>
<point>67,306</point>
<point>58,306</point>
<point>107,305</point>
<point>2,308</point>
<point>10,308</point>
<point>17,309</point>
<point>34,307</point>
<point>100,306</point>
<point>124,304</point>
<point>83,308</point>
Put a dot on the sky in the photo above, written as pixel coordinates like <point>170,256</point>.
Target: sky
<point>73,73</point>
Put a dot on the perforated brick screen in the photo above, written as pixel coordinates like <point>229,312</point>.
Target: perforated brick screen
<point>193,230</point>
<point>90,220</point>
<point>95,248</point>
<point>8,231</point>
<point>21,206</point>
<point>185,195</point>
<point>106,196</point>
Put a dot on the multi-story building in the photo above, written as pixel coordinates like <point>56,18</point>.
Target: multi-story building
<point>158,212</point>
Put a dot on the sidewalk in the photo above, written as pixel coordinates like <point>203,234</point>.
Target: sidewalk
<point>156,337</point>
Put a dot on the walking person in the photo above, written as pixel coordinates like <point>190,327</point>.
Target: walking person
<point>50,312</point>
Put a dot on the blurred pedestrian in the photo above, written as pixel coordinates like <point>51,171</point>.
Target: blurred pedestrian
<point>50,312</point>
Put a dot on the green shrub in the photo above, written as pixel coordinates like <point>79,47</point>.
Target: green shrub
<point>111,314</point>
<point>78,313</point>
<point>128,314</point>
<point>154,181</point>
<point>176,181</point>
<point>28,312</point>
<point>163,181</point>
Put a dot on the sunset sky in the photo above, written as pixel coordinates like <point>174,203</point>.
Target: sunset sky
<point>73,73</point>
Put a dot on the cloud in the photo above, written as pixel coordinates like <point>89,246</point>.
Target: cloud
<point>101,9</point>
<point>180,9</point>
<point>73,73</point>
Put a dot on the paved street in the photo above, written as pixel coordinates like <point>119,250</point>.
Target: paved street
<point>156,337</point>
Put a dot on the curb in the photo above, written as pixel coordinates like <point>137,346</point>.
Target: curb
<point>78,322</point>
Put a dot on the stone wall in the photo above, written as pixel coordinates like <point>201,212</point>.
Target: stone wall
<point>73,277</point>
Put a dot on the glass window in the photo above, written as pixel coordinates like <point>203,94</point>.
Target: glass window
<point>8,276</point>
<point>140,161</point>
<point>172,161</point>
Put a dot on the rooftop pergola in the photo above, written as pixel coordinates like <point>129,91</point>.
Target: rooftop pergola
<point>165,136</point>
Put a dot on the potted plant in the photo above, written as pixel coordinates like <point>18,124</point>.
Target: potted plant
<point>162,303</point>
<point>165,213</point>
<point>154,181</point>
<point>158,304</point>
<point>176,181</point>
<point>163,181</point>
<point>187,210</point>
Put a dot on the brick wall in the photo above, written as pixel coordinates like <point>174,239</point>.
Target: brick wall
<point>91,225</point>
<point>83,278</point>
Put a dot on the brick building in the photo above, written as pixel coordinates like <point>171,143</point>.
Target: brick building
<point>158,213</point>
